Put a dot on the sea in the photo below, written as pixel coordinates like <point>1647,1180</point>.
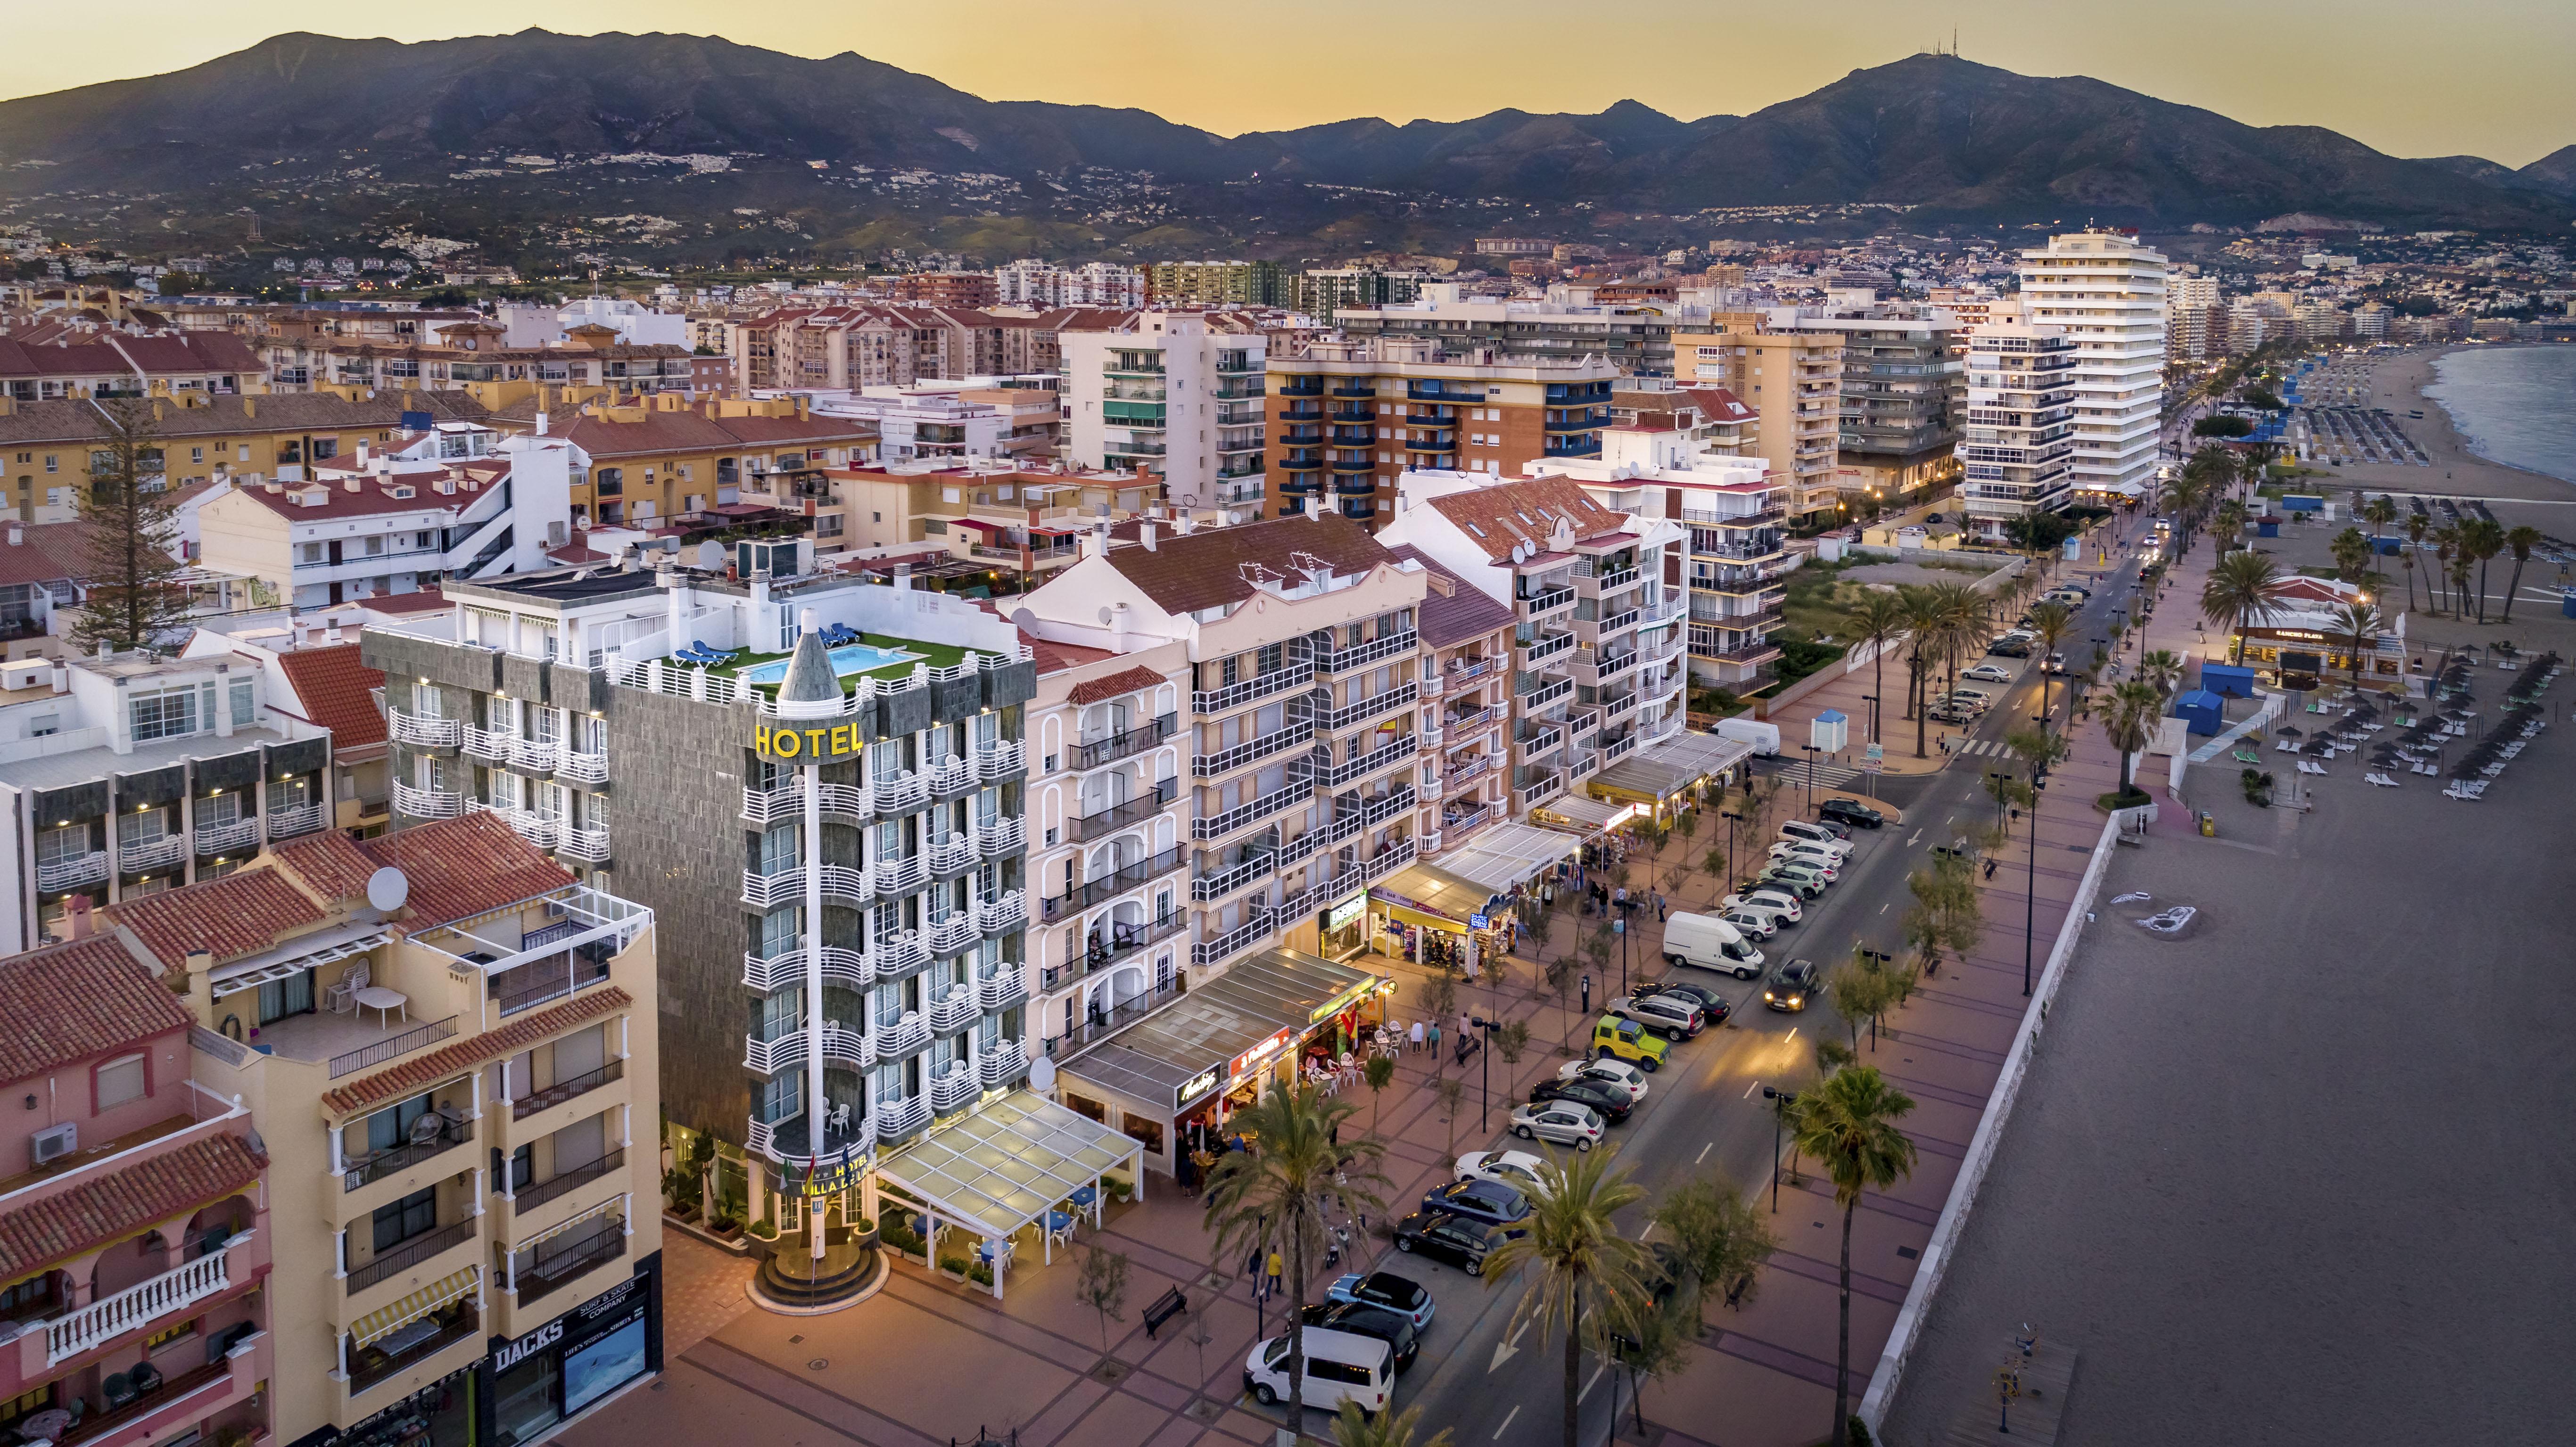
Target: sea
<point>2514,405</point>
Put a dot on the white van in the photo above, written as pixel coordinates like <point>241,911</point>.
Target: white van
<point>1340,1366</point>
<point>1764,737</point>
<point>1710,943</point>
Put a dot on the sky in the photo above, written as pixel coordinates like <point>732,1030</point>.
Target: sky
<point>2476,77</point>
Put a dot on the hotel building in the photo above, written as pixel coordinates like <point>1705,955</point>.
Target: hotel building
<point>2020,441</point>
<point>2105,292</point>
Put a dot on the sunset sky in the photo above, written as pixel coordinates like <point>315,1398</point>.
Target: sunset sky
<point>2484,77</point>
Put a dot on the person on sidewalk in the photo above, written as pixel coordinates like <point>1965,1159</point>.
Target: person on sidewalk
<point>1416,1037</point>
<point>1278,1272</point>
<point>1435,1038</point>
<point>1659,906</point>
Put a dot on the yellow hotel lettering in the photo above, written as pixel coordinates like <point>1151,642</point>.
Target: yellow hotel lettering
<point>823,744</point>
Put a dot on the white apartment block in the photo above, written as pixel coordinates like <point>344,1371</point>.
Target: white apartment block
<point>1170,397</point>
<point>2023,387</point>
<point>1036,283</point>
<point>2106,292</point>
<point>537,325</point>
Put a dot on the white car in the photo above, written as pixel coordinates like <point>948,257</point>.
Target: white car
<point>1516,1169</point>
<point>1560,1122</point>
<point>1838,849</point>
<point>1824,862</point>
<point>1779,901</point>
<point>1613,1073</point>
<point>1753,922</point>
<point>1819,832</point>
<point>1988,673</point>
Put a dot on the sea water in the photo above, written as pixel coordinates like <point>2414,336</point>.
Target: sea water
<point>2514,405</point>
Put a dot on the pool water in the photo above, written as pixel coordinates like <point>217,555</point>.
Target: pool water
<point>847,659</point>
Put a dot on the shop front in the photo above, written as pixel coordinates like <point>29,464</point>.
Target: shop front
<point>1342,926</point>
<point>537,1381</point>
<point>1430,913</point>
<point>2302,660</point>
<point>1173,1080</point>
<point>1665,777</point>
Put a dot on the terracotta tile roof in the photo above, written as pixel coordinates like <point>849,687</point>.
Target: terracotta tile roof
<point>1497,517</point>
<point>239,914</point>
<point>424,600</point>
<point>410,1076</point>
<point>81,421</point>
<point>1124,681</point>
<point>329,863</point>
<point>124,1202</point>
<point>1461,613</point>
<point>1204,569</point>
<point>45,553</point>
<point>692,430</point>
<point>372,497</point>
<point>1053,657</point>
<point>70,1002</point>
<point>333,687</point>
<point>465,866</point>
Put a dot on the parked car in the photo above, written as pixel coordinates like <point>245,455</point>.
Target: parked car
<point>1372,1321</point>
<point>1711,1006</point>
<point>1679,1019</point>
<point>1790,985</point>
<point>1815,856</point>
<point>1847,811</point>
<point>1950,713</point>
<point>1786,874</point>
<point>1814,836</point>
<point>1969,698</point>
<point>1781,902</point>
<point>1627,1040</point>
<point>1491,1202</point>
<point>1449,1240</point>
<point>1614,1074</point>
<point>1340,1367</point>
<point>1611,1104</point>
<point>1561,1122</point>
<point>1988,673</point>
<point>2009,646</point>
<point>1753,924</point>
<point>1823,831</point>
<point>1402,1295</point>
<point>1517,1169</point>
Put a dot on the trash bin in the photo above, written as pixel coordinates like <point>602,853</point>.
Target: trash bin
<point>2567,603</point>
<point>2208,825</point>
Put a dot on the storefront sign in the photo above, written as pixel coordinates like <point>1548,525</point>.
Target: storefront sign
<point>1346,911</point>
<point>819,744</point>
<point>580,1320</point>
<point>1343,1001</point>
<point>536,1341</point>
<point>825,1175</point>
<point>1245,1063</point>
<point>1196,1086</point>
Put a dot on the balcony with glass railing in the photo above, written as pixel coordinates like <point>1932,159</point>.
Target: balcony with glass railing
<point>1252,751</point>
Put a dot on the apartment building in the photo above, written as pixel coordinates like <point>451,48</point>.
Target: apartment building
<point>1793,381</point>
<point>2195,319</point>
<point>1903,392</point>
<point>1013,419</point>
<point>128,364</point>
<point>1595,663</point>
<point>838,869</point>
<point>314,679</point>
<point>474,357</point>
<point>1172,396</point>
<point>663,460</point>
<point>1216,284</point>
<point>860,345</point>
<point>1349,415</point>
<point>1034,283</point>
<point>130,775</point>
<point>1111,855</point>
<point>1023,524</point>
<point>1713,419</point>
<point>1322,292</point>
<point>449,1049</point>
<point>2106,292</point>
<point>972,289</point>
<point>535,324</point>
<point>1465,672</point>
<point>1565,325</point>
<point>2017,455</point>
<point>141,1244</point>
<point>452,499</point>
<point>1302,640</point>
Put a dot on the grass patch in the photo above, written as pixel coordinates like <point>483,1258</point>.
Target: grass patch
<point>937,655</point>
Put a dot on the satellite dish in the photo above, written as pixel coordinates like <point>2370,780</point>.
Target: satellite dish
<point>711,556</point>
<point>1104,616</point>
<point>388,890</point>
<point>1042,1075</point>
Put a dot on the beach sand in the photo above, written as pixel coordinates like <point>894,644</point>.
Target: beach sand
<point>2398,385</point>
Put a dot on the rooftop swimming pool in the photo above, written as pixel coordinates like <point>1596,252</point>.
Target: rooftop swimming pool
<point>847,659</point>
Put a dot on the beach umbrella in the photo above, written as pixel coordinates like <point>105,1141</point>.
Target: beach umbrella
<point>2288,731</point>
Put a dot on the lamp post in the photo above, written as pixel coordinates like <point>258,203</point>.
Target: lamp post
<point>1485,1068</point>
<point>1781,1101</point>
<point>1732,820</point>
<point>1996,777</point>
<point>1811,773</point>
<point>2030,889</point>
<point>1872,700</point>
<point>1619,927</point>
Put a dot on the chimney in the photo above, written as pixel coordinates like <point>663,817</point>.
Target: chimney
<point>250,408</point>
<point>1314,507</point>
<point>1187,524</point>
<point>352,483</point>
<point>903,577</point>
<point>331,634</point>
<point>541,423</point>
<point>1145,535</point>
<point>17,534</point>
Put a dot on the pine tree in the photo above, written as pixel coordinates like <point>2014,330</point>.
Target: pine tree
<point>130,538</point>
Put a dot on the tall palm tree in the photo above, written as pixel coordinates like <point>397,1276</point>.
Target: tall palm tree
<point>1848,1124</point>
<point>2161,671</point>
<point>2416,524</point>
<point>1578,1262</point>
<point>2250,464</point>
<point>2483,538</point>
<point>1355,1428</point>
<point>2379,512</point>
<point>2357,622</point>
<point>2446,547</point>
<point>2229,517</point>
<point>2239,589</point>
<point>2050,623</point>
<point>2182,500</point>
<point>2521,540</point>
<point>1272,1198</point>
<point>2129,720</point>
<point>1923,616</point>
<point>1962,629</point>
<point>1875,622</point>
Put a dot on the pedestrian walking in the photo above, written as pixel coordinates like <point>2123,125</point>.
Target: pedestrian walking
<point>1278,1272</point>
<point>1416,1037</point>
<point>1659,906</point>
<point>1435,1037</point>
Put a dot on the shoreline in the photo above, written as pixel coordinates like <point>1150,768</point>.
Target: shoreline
<point>2457,469</point>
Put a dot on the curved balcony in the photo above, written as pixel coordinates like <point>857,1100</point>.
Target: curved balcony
<point>787,968</point>
<point>73,871</point>
<point>295,819</point>
<point>226,838</point>
<point>144,856</point>
<point>900,876</point>
<point>951,778</point>
<point>486,744</point>
<point>996,762</point>
<point>1001,838</point>
<point>423,732</point>
<point>902,1120</point>
<point>779,1052</point>
<point>769,891</point>
<point>1010,912</point>
<point>902,1037</point>
<point>1001,990</point>
<point>952,933</point>
<point>1347,466</point>
<point>953,1011</point>
<point>427,803</point>
<point>1002,1065</point>
<point>581,768</point>
<point>900,794</point>
<point>535,755</point>
<point>956,1090</point>
<point>949,855</point>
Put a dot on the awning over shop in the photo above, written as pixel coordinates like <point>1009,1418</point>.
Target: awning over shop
<point>1661,771</point>
<point>453,1287</point>
<point>1228,1027</point>
<point>1506,855</point>
<point>1425,895</point>
<point>1580,815</point>
<point>1007,1165</point>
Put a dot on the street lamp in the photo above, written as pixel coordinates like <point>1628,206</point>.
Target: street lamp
<point>1811,773</point>
<point>1733,818</point>
<point>1996,777</point>
<point>1781,1101</point>
<point>1872,700</point>
<point>1485,1067</point>
<point>2030,889</point>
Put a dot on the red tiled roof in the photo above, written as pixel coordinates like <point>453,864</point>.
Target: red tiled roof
<point>1207,568</point>
<point>124,1202</point>
<point>45,553</point>
<point>371,497</point>
<point>421,1071</point>
<point>1053,657</point>
<point>70,1002</point>
<point>333,686</point>
<point>239,914</point>
<point>1459,614</point>
<point>330,863</point>
<point>465,866</point>
<point>1125,681</point>
<point>424,600</point>
<point>1498,516</point>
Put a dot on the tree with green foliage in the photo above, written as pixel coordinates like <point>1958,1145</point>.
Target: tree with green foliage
<point>1848,1123</point>
<point>2521,540</point>
<point>129,537</point>
<point>1720,1241</point>
<point>1102,1286</point>
<point>2050,624</point>
<point>2359,623</point>
<point>1379,1073</point>
<point>2129,721</point>
<point>1874,623</point>
<point>2483,539</point>
<point>2239,590</point>
<point>1579,1273</point>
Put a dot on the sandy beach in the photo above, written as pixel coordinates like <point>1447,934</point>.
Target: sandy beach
<point>2398,384</point>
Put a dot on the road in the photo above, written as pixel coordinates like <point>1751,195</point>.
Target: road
<point>1705,1111</point>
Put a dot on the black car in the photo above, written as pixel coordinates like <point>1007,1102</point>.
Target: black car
<point>1359,1320</point>
<point>1613,1104</point>
<point>1845,811</point>
<point>1433,1233</point>
<point>2008,648</point>
<point>1491,1202</point>
<point>1791,986</point>
<point>1713,1008</point>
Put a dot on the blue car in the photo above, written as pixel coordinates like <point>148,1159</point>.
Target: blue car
<point>1399,1294</point>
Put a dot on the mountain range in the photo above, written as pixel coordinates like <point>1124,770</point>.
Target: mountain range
<point>525,135</point>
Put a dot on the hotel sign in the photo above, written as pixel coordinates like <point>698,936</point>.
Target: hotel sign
<point>819,744</point>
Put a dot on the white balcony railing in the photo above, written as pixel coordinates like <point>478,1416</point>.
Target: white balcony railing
<point>425,732</point>
<point>995,992</point>
<point>149,854</point>
<point>581,768</point>
<point>768,1057</point>
<point>844,967</point>
<point>950,854</point>
<point>901,1038</point>
<point>1001,837</point>
<point>903,792</point>
<point>72,871</point>
<point>1003,915</point>
<point>954,1011</point>
<point>304,819</point>
<point>537,755</point>
<point>955,1089</point>
<point>951,776</point>
<point>898,876</point>
<point>896,1119</point>
<point>1001,1064</point>
<point>590,846</point>
<point>996,762</point>
<point>486,744</point>
<point>174,1290</point>
<point>535,828</point>
<point>225,838</point>
<point>768,891</point>
<point>952,933</point>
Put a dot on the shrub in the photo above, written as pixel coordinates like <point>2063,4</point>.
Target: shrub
<point>765,1230</point>
<point>955,1264</point>
<point>979,1273</point>
<point>904,1239</point>
<point>724,1223</point>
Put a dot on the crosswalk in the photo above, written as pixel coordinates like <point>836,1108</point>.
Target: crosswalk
<point>1795,771</point>
<point>1981,748</point>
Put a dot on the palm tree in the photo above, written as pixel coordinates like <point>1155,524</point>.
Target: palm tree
<point>2129,720</point>
<point>2460,566</point>
<point>2161,670</point>
<point>1962,629</point>
<point>1923,616</point>
<point>1873,623</point>
<point>2251,462</point>
<point>2183,496</point>
<point>2239,589</point>
<point>1272,1199</point>
<point>1848,1124</point>
<point>2483,539</point>
<point>1579,1263</point>
<point>2049,623</point>
<point>1355,1428</point>
<point>2230,519</point>
<point>2356,622</point>
<point>2416,523</point>
<point>2379,512</point>
<point>2446,546</point>
<point>2521,540</point>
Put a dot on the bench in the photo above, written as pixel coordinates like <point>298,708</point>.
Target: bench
<point>1166,1306</point>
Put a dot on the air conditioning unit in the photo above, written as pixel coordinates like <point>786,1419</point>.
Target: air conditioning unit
<point>55,1142</point>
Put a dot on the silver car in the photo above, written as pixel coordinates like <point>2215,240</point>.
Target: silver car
<point>1559,1122</point>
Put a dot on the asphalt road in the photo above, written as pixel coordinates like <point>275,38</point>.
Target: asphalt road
<point>1705,1110</point>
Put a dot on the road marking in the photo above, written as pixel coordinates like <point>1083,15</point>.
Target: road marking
<point>1918,834</point>
<point>1505,1350</point>
<point>1712,1145</point>
<point>1588,1382</point>
<point>1882,909</point>
<point>1507,1424</point>
<point>1793,1032</point>
<point>1747,1095</point>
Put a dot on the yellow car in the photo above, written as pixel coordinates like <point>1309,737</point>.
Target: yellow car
<point>1613,1037</point>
